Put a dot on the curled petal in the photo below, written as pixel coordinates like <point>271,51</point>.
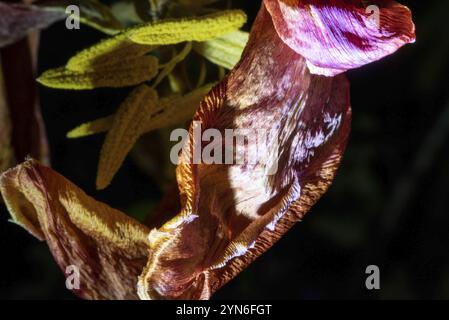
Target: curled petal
<point>337,35</point>
<point>109,248</point>
<point>232,213</point>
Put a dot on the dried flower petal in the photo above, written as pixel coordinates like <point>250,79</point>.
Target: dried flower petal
<point>28,137</point>
<point>233,213</point>
<point>337,35</point>
<point>6,152</point>
<point>109,248</point>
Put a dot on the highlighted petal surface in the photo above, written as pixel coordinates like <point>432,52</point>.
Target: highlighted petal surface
<point>337,35</point>
<point>293,119</point>
<point>232,213</point>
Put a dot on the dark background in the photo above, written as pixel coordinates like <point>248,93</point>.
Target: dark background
<point>389,205</point>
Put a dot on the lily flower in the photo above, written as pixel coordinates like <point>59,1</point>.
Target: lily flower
<point>288,83</point>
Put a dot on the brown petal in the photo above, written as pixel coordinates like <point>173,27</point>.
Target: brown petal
<point>18,63</point>
<point>109,248</point>
<point>6,152</point>
<point>337,35</point>
<point>233,213</point>
<point>28,136</point>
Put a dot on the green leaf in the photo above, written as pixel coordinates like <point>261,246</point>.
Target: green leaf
<point>224,51</point>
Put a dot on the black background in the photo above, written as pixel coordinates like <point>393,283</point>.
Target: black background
<point>389,205</point>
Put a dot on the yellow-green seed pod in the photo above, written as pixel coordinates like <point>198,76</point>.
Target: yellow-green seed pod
<point>127,127</point>
<point>115,76</point>
<point>91,128</point>
<point>189,29</point>
<point>117,49</point>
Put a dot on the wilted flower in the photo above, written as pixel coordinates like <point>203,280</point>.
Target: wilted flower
<point>288,82</point>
